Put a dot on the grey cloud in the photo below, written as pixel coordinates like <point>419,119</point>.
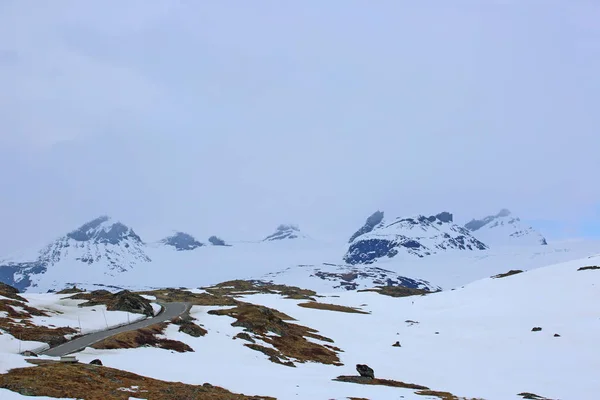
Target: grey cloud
<point>230,120</point>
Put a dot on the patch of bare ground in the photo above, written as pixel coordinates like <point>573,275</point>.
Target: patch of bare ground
<point>289,340</point>
<point>186,325</point>
<point>590,267</point>
<point>419,389</point>
<point>198,299</point>
<point>121,301</point>
<point>397,291</point>
<point>10,292</point>
<point>332,307</point>
<point>532,396</point>
<point>239,287</point>
<point>92,382</point>
<point>18,322</point>
<point>145,337</point>
<point>71,290</point>
<point>509,273</point>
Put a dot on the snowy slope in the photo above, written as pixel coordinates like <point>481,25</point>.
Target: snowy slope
<point>331,277</point>
<point>504,229</point>
<point>459,341</point>
<point>419,236</point>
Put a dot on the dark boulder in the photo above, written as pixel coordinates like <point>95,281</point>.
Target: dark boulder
<point>365,371</point>
<point>397,344</point>
<point>96,362</point>
<point>536,329</point>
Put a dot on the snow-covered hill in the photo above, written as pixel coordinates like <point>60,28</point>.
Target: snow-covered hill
<point>504,229</point>
<point>457,341</point>
<point>419,236</point>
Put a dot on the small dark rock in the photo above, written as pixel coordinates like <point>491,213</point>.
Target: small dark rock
<point>397,344</point>
<point>536,329</point>
<point>365,370</point>
<point>591,267</point>
<point>556,335</point>
<point>96,362</point>
<point>437,333</point>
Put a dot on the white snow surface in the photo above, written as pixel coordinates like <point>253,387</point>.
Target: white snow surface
<point>65,312</point>
<point>484,331</point>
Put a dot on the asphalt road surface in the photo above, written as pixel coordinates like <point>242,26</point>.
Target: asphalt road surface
<point>170,311</point>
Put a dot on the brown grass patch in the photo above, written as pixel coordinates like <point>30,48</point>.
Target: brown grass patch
<point>72,290</point>
<point>331,307</point>
<point>145,337</point>
<point>591,267</point>
<point>397,291</point>
<point>18,324</point>
<point>291,344</point>
<point>10,292</point>
<point>420,389</point>
<point>93,382</point>
<point>239,287</point>
<point>186,325</point>
<point>509,273</point>
<point>185,296</point>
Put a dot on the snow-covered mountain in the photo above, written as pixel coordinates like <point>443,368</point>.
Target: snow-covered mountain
<point>504,229</point>
<point>286,231</point>
<point>108,254</point>
<point>99,246</point>
<point>419,236</point>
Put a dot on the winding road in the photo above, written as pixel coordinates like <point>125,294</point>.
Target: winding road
<point>169,311</point>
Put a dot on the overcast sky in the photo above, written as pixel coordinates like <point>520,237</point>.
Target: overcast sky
<point>229,118</point>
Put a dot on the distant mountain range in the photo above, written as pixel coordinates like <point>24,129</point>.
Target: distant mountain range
<point>104,249</point>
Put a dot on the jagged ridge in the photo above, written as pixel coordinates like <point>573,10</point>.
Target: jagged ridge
<point>419,236</point>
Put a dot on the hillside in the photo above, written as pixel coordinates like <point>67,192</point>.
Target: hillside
<point>456,341</point>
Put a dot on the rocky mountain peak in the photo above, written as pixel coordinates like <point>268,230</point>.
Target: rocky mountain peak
<point>103,230</point>
<point>182,241</point>
<point>370,224</point>
<point>285,231</point>
<point>418,236</point>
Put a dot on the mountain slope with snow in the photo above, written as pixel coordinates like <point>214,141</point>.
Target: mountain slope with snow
<point>504,229</point>
<point>99,247</point>
<point>458,342</point>
<point>419,236</point>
